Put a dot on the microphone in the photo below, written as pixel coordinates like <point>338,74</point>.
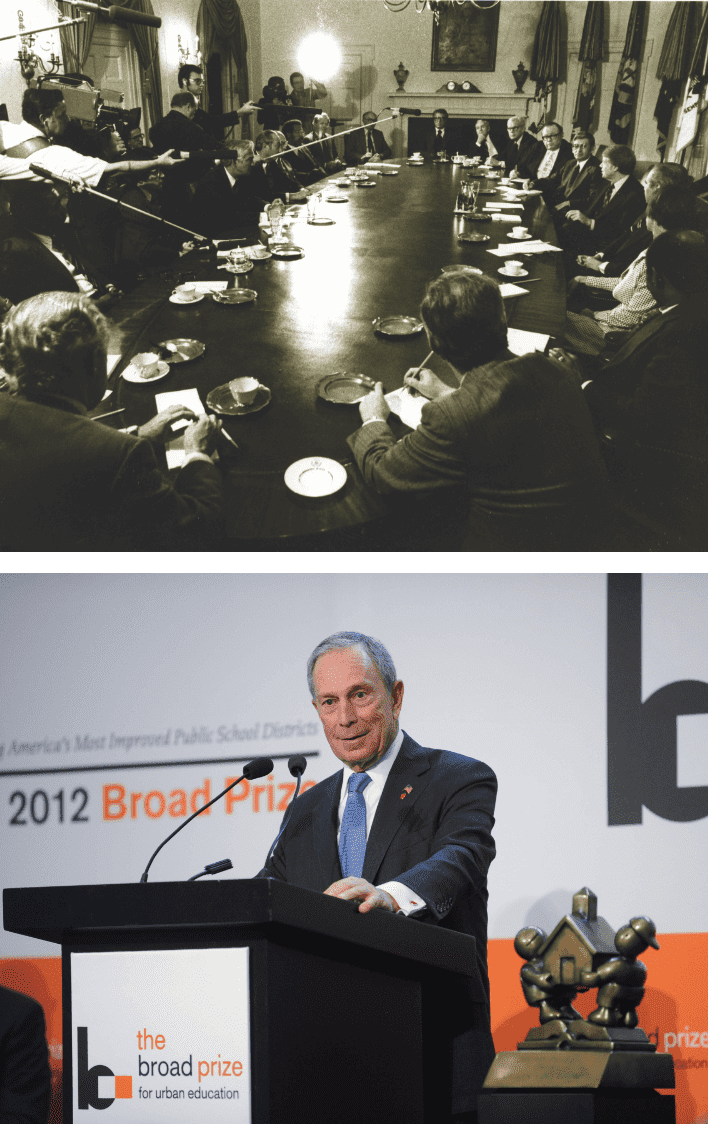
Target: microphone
<point>408,112</point>
<point>209,154</point>
<point>254,769</point>
<point>116,14</point>
<point>53,176</point>
<point>297,766</point>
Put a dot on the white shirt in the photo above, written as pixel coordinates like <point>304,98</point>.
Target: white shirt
<point>409,902</point>
<point>55,157</point>
<point>546,166</point>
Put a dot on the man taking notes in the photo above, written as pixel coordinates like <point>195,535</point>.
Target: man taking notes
<point>399,827</point>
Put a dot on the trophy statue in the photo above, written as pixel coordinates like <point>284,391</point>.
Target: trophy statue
<point>602,1068</point>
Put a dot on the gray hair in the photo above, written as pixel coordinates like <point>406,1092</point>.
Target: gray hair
<point>374,649</point>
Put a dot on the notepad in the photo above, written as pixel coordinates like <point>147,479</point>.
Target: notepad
<point>408,407</point>
<point>503,206</point>
<point>521,342</point>
<point>522,247</point>
<point>189,398</point>
<point>510,290</point>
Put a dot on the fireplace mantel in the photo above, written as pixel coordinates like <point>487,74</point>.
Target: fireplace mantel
<point>458,106</point>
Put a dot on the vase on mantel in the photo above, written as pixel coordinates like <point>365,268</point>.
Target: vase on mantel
<point>401,75</point>
<point>520,75</point>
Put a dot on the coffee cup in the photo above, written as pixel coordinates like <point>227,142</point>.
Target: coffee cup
<point>519,231</point>
<point>186,292</point>
<point>514,267</point>
<point>416,156</point>
<point>244,390</point>
<point>505,179</point>
<point>146,364</point>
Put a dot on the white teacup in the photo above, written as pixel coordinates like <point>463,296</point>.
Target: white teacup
<point>505,179</point>
<point>244,390</point>
<point>186,292</point>
<point>519,231</point>
<point>416,156</point>
<point>146,364</point>
<point>514,267</point>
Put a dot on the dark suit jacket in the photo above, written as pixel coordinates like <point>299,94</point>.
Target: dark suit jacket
<point>533,162</point>
<point>213,124</point>
<point>355,146</point>
<point>518,434</point>
<point>69,483</point>
<point>305,165</point>
<point>177,131</point>
<point>517,154</point>
<point>220,210</point>
<point>437,842</point>
<point>325,152</point>
<point>652,395</point>
<point>577,187</point>
<point>612,217</point>
<point>28,268</point>
<point>452,141</point>
<point>482,150</point>
<point>273,180</point>
<point>25,1080</point>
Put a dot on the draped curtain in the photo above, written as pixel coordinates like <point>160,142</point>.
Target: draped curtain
<point>75,40</point>
<point>590,54</point>
<point>546,56</point>
<point>627,76</point>
<point>222,19</point>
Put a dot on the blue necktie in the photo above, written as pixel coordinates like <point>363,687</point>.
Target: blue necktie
<point>352,836</point>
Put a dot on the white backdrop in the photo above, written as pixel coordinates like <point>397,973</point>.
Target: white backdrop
<point>507,668</point>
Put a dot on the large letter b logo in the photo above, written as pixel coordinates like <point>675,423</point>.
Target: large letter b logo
<point>88,1078</point>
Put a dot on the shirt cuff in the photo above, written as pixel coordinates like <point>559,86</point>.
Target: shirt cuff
<point>197,457</point>
<point>370,420</point>
<point>592,224</point>
<point>603,267</point>
<point>409,903</point>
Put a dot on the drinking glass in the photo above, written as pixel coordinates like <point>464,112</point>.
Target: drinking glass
<point>475,192</point>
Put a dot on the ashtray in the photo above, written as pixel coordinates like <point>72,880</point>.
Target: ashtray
<point>235,296</point>
<point>321,220</point>
<point>287,251</point>
<point>343,388</point>
<point>398,325</point>
<point>182,350</point>
<point>474,237</point>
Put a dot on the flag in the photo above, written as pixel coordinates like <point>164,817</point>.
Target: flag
<point>627,75</point>
<point>590,54</point>
<point>693,102</point>
<point>674,66</point>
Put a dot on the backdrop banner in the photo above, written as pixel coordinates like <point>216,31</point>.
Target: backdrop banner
<point>128,701</point>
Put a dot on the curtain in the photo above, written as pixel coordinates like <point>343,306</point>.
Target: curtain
<point>674,66</point>
<point>627,76</point>
<point>146,45</point>
<point>546,57</point>
<point>222,19</point>
<point>75,40</point>
<point>590,54</point>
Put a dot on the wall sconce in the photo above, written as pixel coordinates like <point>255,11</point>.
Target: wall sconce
<point>186,55</point>
<point>30,62</point>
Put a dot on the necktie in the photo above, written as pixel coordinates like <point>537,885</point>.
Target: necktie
<point>352,836</point>
<point>369,143</point>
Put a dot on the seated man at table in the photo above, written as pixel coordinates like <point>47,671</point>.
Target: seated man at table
<point>651,398</point>
<point>441,138</point>
<point>70,483</point>
<point>483,151</point>
<point>272,177</point>
<point>365,144</point>
<point>672,209</point>
<point>522,147</point>
<point>225,203</point>
<point>325,153</point>
<point>612,209</point>
<point>306,167</point>
<point>545,166</point>
<point>581,178</point>
<point>516,431</point>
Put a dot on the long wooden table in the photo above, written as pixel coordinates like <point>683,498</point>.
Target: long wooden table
<point>312,317</point>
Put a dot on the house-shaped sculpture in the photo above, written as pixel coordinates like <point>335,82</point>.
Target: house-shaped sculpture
<point>580,940</point>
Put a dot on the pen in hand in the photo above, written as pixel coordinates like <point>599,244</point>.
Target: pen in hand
<point>415,374</point>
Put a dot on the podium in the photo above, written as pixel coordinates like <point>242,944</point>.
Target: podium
<point>276,1004</point>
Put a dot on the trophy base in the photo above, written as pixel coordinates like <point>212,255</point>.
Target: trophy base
<point>579,1034</point>
<point>541,1106</point>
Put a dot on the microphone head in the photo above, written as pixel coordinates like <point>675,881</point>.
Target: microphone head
<point>258,768</point>
<point>297,765</point>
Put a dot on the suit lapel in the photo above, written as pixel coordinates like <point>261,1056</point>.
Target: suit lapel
<point>324,830</point>
<point>406,777</point>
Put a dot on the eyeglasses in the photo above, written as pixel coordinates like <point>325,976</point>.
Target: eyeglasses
<point>549,136</point>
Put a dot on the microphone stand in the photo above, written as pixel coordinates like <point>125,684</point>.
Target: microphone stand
<point>79,185</point>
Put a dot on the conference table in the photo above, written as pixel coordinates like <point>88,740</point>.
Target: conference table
<point>313,316</point>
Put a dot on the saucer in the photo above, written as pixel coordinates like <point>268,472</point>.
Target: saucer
<point>180,300</point>
<point>315,476</point>
<point>131,374</point>
<point>222,401</point>
<point>258,255</point>
<point>521,237</point>
<point>365,183</point>
<point>339,198</point>
<point>321,220</point>
<point>344,182</point>
<point>521,273</point>
<point>287,251</point>
<point>415,162</point>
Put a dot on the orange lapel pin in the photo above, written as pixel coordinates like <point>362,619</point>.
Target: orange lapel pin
<point>408,788</point>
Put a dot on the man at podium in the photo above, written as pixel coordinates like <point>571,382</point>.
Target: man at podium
<point>399,827</point>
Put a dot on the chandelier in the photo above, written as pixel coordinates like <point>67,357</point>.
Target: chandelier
<point>436,6</point>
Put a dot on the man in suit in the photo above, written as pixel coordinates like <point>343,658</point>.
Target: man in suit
<point>441,138</point>
<point>399,827</point>
<point>306,166</point>
<point>225,203</point>
<point>25,1078</point>
<point>179,130</point>
<point>190,77</point>
<point>70,483</point>
<point>483,151</point>
<point>650,398</point>
<point>611,211</point>
<point>580,179</point>
<point>365,144</point>
<point>522,147</point>
<point>325,153</point>
<point>546,167</point>
<point>514,431</point>
<point>272,177</point>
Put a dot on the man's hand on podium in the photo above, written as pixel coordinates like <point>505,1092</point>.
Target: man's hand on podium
<point>358,889</point>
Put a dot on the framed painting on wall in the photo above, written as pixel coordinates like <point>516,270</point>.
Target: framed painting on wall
<point>465,37</point>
